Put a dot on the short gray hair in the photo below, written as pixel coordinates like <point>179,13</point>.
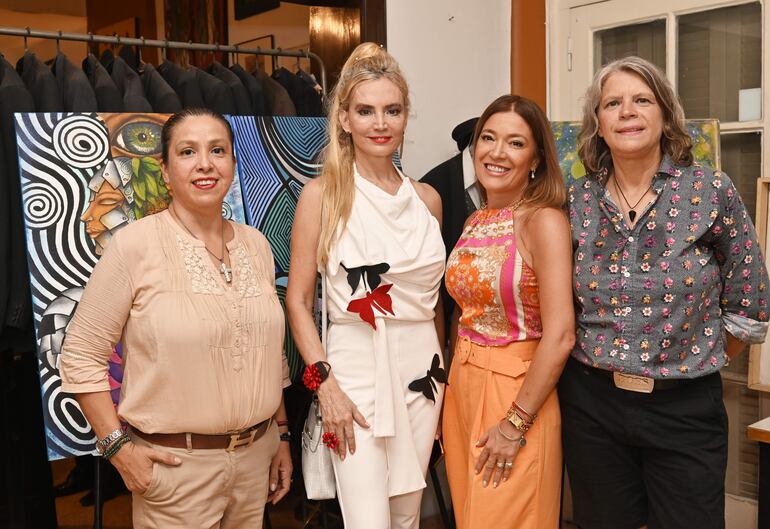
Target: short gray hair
<point>675,141</point>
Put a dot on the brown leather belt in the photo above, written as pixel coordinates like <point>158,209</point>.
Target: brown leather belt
<point>207,441</point>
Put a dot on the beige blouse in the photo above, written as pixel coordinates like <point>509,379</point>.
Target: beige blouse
<point>198,356</point>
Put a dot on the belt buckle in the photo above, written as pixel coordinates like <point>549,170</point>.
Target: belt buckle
<point>236,440</point>
<point>634,383</point>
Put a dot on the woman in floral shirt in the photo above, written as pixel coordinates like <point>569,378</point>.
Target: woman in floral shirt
<point>669,284</point>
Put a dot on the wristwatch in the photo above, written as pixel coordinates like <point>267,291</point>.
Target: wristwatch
<point>518,422</point>
<point>285,436</point>
<point>102,444</point>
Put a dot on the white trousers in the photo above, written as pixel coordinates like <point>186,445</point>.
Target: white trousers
<point>376,485</point>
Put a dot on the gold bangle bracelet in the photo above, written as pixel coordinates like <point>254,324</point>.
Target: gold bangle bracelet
<point>521,441</point>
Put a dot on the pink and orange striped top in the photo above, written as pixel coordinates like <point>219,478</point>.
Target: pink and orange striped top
<point>487,277</point>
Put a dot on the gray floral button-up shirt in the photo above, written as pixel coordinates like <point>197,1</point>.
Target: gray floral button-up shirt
<point>656,300</point>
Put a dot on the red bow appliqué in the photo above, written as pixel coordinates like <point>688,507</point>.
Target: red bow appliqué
<point>377,299</point>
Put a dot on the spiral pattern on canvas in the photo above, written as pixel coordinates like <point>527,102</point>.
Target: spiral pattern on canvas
<point>43,205</point>
<point>81,141</point>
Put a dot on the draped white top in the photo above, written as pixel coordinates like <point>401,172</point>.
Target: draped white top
<point>398,230</point>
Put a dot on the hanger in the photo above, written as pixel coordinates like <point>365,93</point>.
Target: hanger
<point>29,31</point>
<point>164,50</point>
<point>139,51</point>
<point>58,48</point>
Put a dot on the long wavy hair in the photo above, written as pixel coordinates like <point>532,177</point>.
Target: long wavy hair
<point>547,188</point>
<point>674,141</point>
<point>368,62</point>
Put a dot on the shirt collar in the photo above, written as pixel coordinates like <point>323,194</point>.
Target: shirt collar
<point>666,168</point>
<point>469,173</point>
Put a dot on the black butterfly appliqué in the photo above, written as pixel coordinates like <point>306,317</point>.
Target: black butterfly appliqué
<point>371,275</point>
<point>425,385</point>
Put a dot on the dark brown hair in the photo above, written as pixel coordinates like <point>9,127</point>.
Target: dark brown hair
<point>547,188</point>
<point>179,117</point>
<point>674,141</point>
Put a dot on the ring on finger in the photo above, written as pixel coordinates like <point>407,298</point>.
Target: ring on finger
<point>500,464</point>
<point>509,464</point>
<point>491,465</point>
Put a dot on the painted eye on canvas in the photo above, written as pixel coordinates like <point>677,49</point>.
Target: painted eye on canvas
<point>139,137</point>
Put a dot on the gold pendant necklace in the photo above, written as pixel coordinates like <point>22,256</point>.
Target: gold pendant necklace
<point>225,270</point>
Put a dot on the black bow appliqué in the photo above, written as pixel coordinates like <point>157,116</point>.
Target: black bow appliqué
<point>425,385</point>
<point>371,275</point>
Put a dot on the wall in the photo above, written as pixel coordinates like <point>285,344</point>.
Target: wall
<point>528,50</point>
<point>12,48</point>
<point>456,57</point>
<point>289,23</point>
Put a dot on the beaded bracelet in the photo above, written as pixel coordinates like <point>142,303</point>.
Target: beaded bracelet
<point>115,446</point>
<point>315,374</point>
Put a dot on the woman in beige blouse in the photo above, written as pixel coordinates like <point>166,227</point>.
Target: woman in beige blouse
<point>192,299</point>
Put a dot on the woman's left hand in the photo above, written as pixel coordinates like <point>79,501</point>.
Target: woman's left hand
<point>280,473</point>
<point>498,453</point>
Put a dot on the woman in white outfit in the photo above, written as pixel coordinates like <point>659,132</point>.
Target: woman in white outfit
<point>375,234</point>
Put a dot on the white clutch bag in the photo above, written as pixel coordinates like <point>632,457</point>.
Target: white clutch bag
<point>317,470</point>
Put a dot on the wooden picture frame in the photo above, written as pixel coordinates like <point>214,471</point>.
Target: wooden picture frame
<point>759,354</point>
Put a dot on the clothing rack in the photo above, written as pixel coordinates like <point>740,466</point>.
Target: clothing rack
<point>164,44</point>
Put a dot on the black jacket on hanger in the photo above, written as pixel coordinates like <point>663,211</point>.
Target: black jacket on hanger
<point>306,101</point>
<point>253,89</point>
<point>159,93</point>
<point>108,98</point>
<point>238,92</point>
<point>130,86</point>
<point>130,57</point>
<point>279,102</point>
<point>184,82</point>
<point>448,180</point>
<point>74,87</point>
<point>216,94</point>
<point>40,83</point>
<point>15,299</point>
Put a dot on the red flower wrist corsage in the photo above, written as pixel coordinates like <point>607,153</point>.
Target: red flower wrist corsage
<point>330,440</point>
<point>315,374</point>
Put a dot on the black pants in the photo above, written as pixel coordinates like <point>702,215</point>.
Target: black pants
<point>633,459</point>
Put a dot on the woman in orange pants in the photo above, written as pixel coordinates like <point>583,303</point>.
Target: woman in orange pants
<point>510,275</point>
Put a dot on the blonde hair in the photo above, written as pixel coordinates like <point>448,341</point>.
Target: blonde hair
<point>368,62</point>
<point>674,141</point>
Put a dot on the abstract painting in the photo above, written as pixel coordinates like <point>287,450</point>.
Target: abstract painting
<point>276,157</point>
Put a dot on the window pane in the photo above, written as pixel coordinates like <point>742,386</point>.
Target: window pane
<point>741,160</point>
<point>720,57</point>
<point>648,41</point>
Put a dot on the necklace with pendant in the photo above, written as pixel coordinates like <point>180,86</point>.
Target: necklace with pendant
<point>225,270</point>
<point>631,209</point>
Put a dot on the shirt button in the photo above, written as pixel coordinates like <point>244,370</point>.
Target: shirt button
<point>235,306</point>
<point>625,346</point>
<point>237,343</point>
<point>626,274</point>
<point>630,239</point>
